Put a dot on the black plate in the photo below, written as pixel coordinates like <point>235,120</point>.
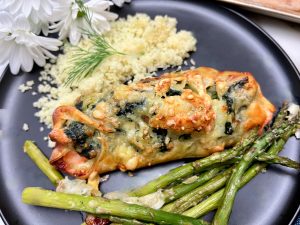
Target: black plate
<point>226,41</point>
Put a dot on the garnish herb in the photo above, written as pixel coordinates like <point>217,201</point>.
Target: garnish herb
<point>84,61</point>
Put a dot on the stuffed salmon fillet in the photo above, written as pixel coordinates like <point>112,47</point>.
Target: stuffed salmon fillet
<point>186,114</point>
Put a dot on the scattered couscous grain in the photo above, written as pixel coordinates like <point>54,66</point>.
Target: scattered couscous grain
<point>193,62</point>
<point>25,127</point>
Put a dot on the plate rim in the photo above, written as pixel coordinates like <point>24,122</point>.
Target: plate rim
<point>250,22</point>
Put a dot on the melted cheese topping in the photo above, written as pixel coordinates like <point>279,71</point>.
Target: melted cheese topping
<point>180,115</point>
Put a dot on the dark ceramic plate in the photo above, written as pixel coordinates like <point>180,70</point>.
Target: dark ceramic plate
<point>226,41</point>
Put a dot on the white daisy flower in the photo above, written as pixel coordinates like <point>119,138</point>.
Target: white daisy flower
<point>20,47</point>
<point>120,2</point>
<point>37,12</point>
<point>71,19</point>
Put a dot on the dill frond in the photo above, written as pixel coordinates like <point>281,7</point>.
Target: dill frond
<point>84,62</point>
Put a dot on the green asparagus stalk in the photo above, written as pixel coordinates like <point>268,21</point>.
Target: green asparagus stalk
<point>42,162</point>
<point>98,205</point>
<point>281,115</point>
<point>206,206</point>
<point>194,167</point>
<point>180,190</point>
<point>212,202</point>
<point>222,215</point>
<point>194,197</point>
<point>274,159</point>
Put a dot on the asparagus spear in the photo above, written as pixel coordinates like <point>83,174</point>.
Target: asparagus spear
<point>212,202</point>
<point>42,162</point>
<point>194,167</point>
<point>281,115</point>
<point>195,196</point>
<point>98,205</point>
<point>179,190</point>
<point>274,159</point>
<point>222,215</point>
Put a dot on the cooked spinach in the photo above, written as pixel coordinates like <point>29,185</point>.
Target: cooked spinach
<point>173,92</point>
<point>228,128</point>
<point>129,108</point>
<point>227,96</point>
<point>229,102</point>
<point>161,135</point>
<point>90,148</point>
<point>239,84</point>
<point>76,132</point>
<point>89,154</point>
<point>184,137</point>
<point>211,90</point>
<point>79,105</point>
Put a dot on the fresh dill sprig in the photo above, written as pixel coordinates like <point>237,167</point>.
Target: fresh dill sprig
<point>84,62</point>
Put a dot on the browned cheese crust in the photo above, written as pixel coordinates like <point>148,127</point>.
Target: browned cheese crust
<point>180,115</point>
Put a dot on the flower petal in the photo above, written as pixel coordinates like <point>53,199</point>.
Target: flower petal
<point>48,43</point>
<point>21,23</point>
<point>3,66</point>
<point>45,29</point>
<point>14,6</point>
<point>99,6</point>
<point>38,57</point>
<point>6,20</point>
<point>47,7</point>
<point>118,2</point>
<point>110,16</point>
<point>5,49</point>
<point>48,54</point>
<point>74,34</point>
<point>36,4</point>
<point>34,17</point>
<point>26,8</point>
<point>27,61</point>
<point>14,60</point>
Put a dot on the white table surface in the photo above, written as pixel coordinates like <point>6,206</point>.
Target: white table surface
<point>285,33</point>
